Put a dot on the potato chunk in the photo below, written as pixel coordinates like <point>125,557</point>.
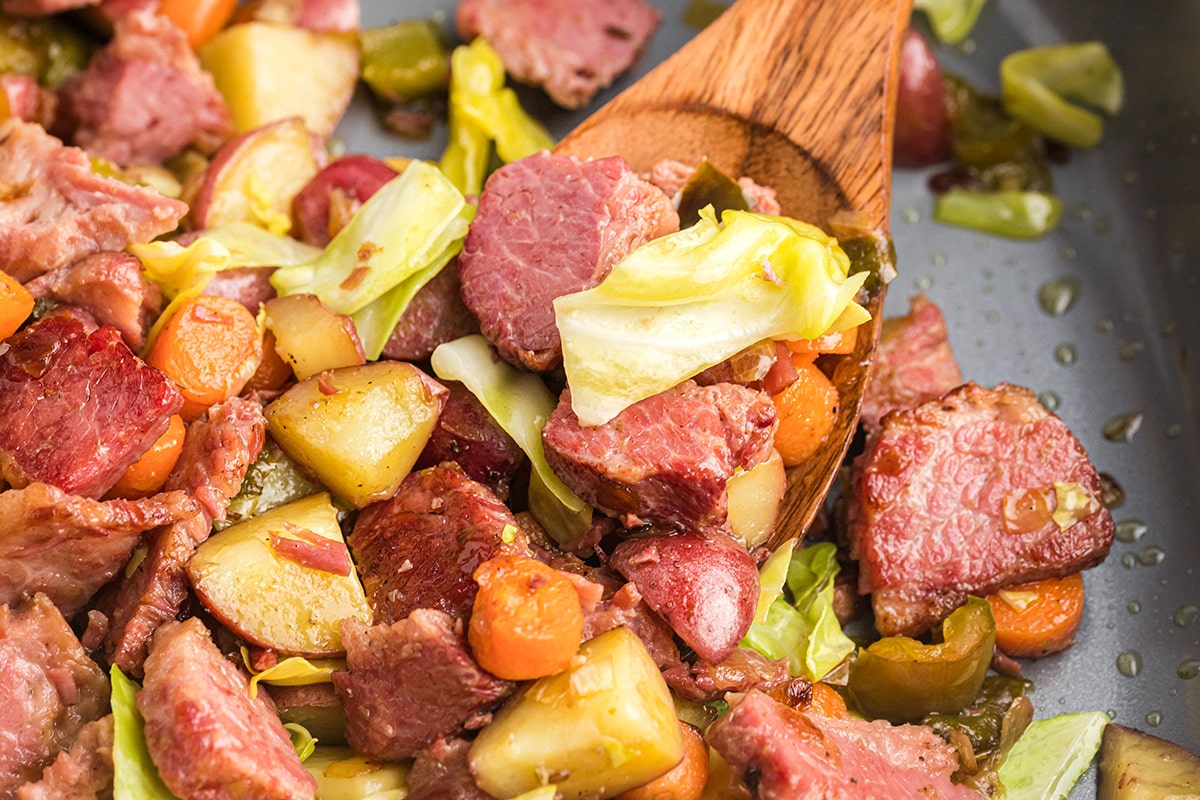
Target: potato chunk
<point>360,429</point>
<point>604,725</point>
<point>244,577</point>
<point>1138,766</point>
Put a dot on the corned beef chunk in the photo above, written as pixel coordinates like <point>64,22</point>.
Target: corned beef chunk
<point>440,772</point>
<point>110,287</point>
<point>249,286</point>
<point>208,737</point>
<point>570,49</point>
<point>627,608</point>
<point>27,100</point>
<point>468,435</point>
<point>667,459</point>
<point>144,97</point>
<point>68,546</point>
<point>411,682</point>
<point>436,314</point>
<point>54,209</point>
<point>42,8</point>
<point>420,548</point>
<point>912,364</point>
<point>784,754</point>
<point>551,225</point>
<point>50,688</point>
<point>217,451</point>
<point>978,490</point>
<point>85,771</point>
<point>77,408</point>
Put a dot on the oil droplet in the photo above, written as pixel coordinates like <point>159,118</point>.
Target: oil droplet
<point>1057,296</point>
<point>1154,718</point>
<point>1050,400</point>
<point>1169,328</point>
<point>1131,176</point>
<point>1069,253</point>
<point>1186,615</point>
<point>1128,561</point>
<point>1065,354</point>
<point>1104,325</point>
<point>1112,493</point>
<point>911,214</point>
<point>968,47</point>
<point>1151,555</point>
<point>1102,225</point>
<point>1081,213</point>
<point>992,317</point>
<point>923,283</point>
<point>1134,607</point>
<point>938,258</point>
<point>1131,350</point>
<point>1129,663</point>
<point>1173,430</point>
<point>1123,427</point>
<point>1188,668</point>
<point>1130,530</point>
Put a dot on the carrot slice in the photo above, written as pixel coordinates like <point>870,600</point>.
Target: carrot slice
<point>807,411</point>
<point>16,304</point>
<point>210,348</point>
<point>684,781</point>
<point>827,702</point>
<point>147,475</point>
<point>201,20</point>
<point>1038,618</point>
<point>839,344</point>
<point>526,621</point>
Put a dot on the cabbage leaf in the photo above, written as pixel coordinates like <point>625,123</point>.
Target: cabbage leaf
<point>684,302</point>
<point>1042,87</point>
<point>134,775</point>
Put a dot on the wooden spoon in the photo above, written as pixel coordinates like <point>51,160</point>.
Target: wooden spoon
<point>799,95</point>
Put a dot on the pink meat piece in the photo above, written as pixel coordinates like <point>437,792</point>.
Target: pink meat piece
<point>77,408</point>
<point>671,176</point>
<point>435,315</point>
<point>83,772</point>
<point>912,364</point>
<point>26,100</point>
<point>551,225</point>
<point>954,498</point>
<point>144,97</point>
<point>570,49</point>
<point>54,209</point>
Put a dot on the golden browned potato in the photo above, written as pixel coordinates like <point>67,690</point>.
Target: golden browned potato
<point>754,497</point>
<point>343,775</point>
<point>309,337</point>
<point>1138,766</point>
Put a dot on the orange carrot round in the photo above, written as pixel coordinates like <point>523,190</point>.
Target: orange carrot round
<point>840,343</point>
<point>201,20</point>
<point>16,304</point>
<point>827,702</point>
<point>1038,618</point>
<point>147,475</point>
<point>273,372</point>
<point>526,621</point>
<point>684,781</point>
<point>209,348</point>
<point>807,412</point>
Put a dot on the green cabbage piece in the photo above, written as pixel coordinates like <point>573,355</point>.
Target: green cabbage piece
<point>1041,86</point>
<point>951,20</point>
<point>520,404</point>
<point>805,631</point>
<point>684,302</point>
<point>1051,754</point>
<point>134,775</point>
<point>303,742</point>
<point>394,245</point>
<point>1015,214</point>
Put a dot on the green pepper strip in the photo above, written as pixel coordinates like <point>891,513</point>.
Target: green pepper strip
<point>951,20</point>
<point>404,61</point>
<point>1017,215</point>
<point>900,679</point>
<point>1038,84</point>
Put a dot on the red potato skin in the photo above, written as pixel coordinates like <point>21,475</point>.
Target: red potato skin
<point>922,128</point>
<point>359,176</point>
<point>704,584</point>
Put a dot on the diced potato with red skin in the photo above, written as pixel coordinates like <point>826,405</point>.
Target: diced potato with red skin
<point>254,177</point>
<point>922,134</point>
<point>245,578</point>
<point>310,337</point>
<point>754,498</point>
<point>359,430</point>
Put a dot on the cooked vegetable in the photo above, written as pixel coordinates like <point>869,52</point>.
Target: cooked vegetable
<point>283,579</point>
<point>687,301</point>
<point>839,343</point>
<point>1017,215</point>
<point>209,347</point>
<point>147,475</point>
<point>1137,766</point>
<point>310,337</point>
<point>827,702</point>
<point>134,775</point>
<point>520,403</point>
<point>900,679</point>
<point>342,775</point>
<point>359,430</point>
<point>604,725</point>
<point>271,72</point>
<point>303,742</point>
<point>754,498</point>
<point>981,721</point>
<point>1039,618</point>
<point>951,20</point>
<point>201,20</point>
<point>483,112</point>
<point>526,621</point>
<point>393,246</point>
<point>271,481</point>
<point>45,48</point>
<point>16,303</point>
<point>709,186</point>
<point>1051,755</point>
<point>404,61</point>
<point>684,781</point>
<point>993,151</point>
<point>1039,85</point>
<point>922,131</point>
<point>807,409</point>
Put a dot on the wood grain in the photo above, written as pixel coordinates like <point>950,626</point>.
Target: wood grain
<point>799,95</point>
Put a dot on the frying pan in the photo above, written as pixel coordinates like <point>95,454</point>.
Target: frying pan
<point>1130,242</point>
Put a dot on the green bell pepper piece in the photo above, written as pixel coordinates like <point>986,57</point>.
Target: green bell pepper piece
<point>951,20</point>
<point>1038,86</point>
<point>1017,215</point>
<point>404,61</point>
